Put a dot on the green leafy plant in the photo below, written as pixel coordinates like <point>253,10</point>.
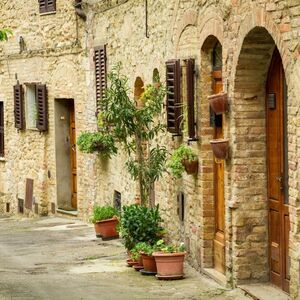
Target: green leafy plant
<point>134,127</point>
<point>4,34</point>
<point>89,142</point>
<point>161,246</point>
<point>182,153</point>
<point>140,224</point>
<point>103,213</point>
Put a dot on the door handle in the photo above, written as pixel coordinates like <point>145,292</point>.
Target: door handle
<point>280,180</point>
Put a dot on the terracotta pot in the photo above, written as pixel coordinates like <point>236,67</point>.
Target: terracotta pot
<point>219,103</point>
<point>220,148</point>
<point>107,228</point>
<point>149,263</point>
<point>131,263</point>
<point>169,264</point>
<point>191,167</point>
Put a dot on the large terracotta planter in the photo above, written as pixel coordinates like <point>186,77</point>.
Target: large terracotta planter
<point>107,229</point>
<point>220,148</point>
<point>219,103</point>
<point>191,167</point>
<point>149,263</point>
<point>169,265</point>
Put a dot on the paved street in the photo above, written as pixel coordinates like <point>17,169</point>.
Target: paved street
<point>56,258</point>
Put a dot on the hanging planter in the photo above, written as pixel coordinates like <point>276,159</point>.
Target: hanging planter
<point>220,148</point>
<point>191,166</point>
<point>219,103</point>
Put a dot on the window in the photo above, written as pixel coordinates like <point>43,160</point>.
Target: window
<point>30,107</point>
<point>36,107</point>
<point>47,6</point>
<point>1,129</point>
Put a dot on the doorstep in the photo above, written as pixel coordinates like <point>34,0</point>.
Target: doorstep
<point>73,213</point>
<point>215,275</point>
<point>264,291</point>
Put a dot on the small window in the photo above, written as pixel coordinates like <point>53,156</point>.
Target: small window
<point>36,111</point>
<point>47,6</point>
<point>30,106</point>
<point>1,129</point>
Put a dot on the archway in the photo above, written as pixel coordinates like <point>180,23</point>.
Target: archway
<point>212,126</point>
<point>259,163</point>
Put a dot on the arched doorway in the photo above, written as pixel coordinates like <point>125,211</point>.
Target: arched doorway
<point>261,222</point>
<point>213,181</point>
<point>279,223</point>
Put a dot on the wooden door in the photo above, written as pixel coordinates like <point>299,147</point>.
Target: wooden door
<point>219,240</point>
<point>73,158</point>
<point>279,223</point>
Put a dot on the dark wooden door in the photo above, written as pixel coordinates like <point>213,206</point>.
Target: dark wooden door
<point>219,240</point>
<point>73,158</point>
<point>279,223</point>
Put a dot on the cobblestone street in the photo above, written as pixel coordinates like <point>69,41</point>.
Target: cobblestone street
<point>56,258</point>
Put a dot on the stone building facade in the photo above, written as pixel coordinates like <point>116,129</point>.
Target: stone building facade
<point>253,235</point>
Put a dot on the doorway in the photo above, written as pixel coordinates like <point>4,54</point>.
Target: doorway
<point>65,144</point>
<point>279,223</point>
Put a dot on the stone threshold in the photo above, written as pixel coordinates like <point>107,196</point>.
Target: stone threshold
<point>264,291</point>
<point>215,275</point>
<point>73,213</point>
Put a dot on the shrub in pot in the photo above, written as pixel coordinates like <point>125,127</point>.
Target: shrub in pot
<point>183,159</point>
<point>105,219</point>
<point>169,260</point>
<point>140,224</point>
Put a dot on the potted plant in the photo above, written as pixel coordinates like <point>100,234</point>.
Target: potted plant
<point>90,142</point>
<point>169,260</point>
<point>140,224</point>
<point>148,259</point>
<point>220,148</point>
<point>219,103</point>
<point>105,219</point>
<point>136,256</point>
<point>183,159</point>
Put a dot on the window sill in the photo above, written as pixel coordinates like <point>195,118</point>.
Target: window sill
<point>48,13</point>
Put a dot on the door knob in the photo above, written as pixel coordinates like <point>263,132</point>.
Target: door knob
<point>280,180</point>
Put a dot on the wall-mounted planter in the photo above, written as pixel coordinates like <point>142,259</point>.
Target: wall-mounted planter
<point>220,148</point>
<point>219,103</point>
<point>191,167</point>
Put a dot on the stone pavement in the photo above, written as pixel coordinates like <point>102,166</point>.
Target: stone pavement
<point>57,258</point>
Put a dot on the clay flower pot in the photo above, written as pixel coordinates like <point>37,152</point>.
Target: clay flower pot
<point>191,167</point>
<point>219,103</point>
<point>149,263</point>
<point>107,229</point>
<point>220,148</point>
<point>169,265</point>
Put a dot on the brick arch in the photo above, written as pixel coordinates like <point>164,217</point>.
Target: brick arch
<point>259,18</point>
<point>188,19</point>
<point>247,132</point>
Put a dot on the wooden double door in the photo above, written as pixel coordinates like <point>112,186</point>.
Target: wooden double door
<point>279,222</point>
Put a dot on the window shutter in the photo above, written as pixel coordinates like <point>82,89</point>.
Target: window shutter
<point>173,96</point>
<point>41,107</point>
<point>47,6</point>
<point>190,81</point>
<point>1,129</point>
<point>19,106</point>
<point>51,5</point>
<point>43,6</point>
<point>100,73</point>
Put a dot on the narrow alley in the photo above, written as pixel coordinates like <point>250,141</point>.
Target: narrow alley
<point>57,258</point>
